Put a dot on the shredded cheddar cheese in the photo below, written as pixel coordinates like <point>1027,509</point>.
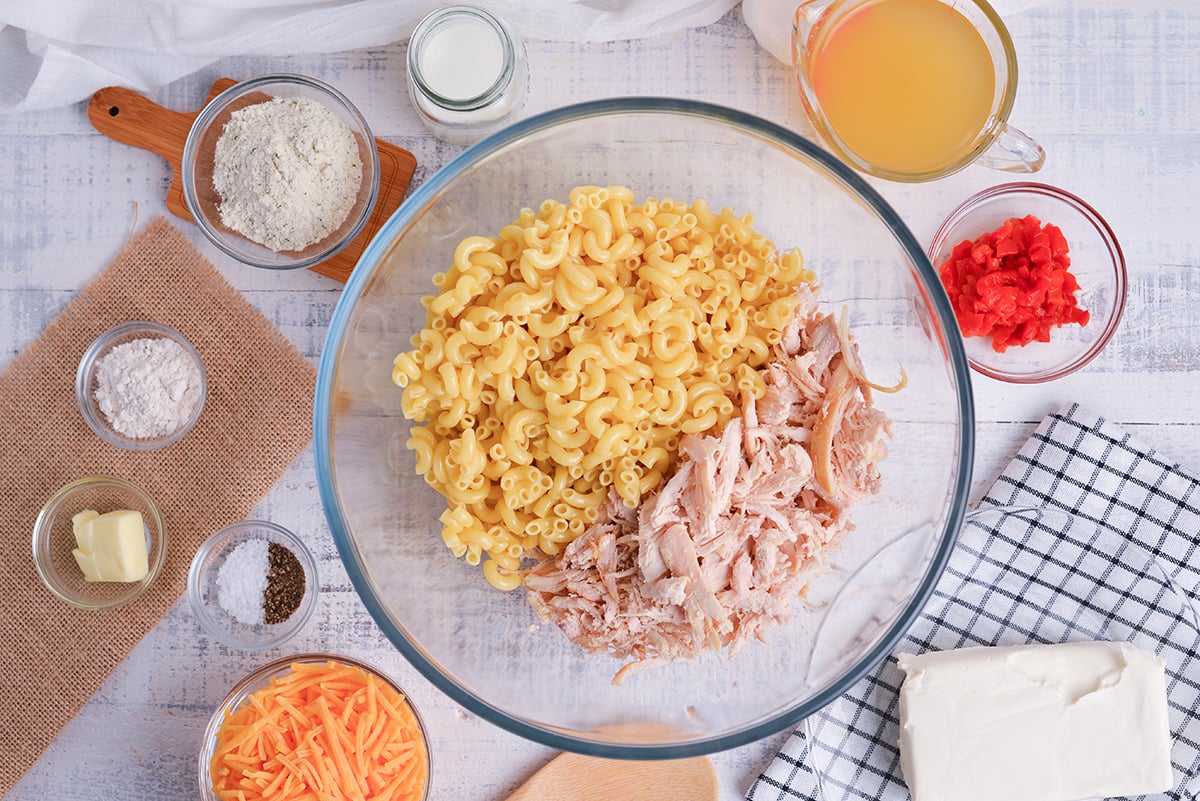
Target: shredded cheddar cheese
<point>323,731</point>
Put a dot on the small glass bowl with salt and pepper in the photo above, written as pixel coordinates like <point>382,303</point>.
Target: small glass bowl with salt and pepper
<point>467,73</point>
<point>253,585</point>
<point>141,386</point>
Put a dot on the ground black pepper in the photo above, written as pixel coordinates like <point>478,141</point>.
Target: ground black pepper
<point>285,584</point>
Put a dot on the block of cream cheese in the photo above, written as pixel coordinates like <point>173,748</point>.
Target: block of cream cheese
<point>111,546</point>
<point>1063,722</point>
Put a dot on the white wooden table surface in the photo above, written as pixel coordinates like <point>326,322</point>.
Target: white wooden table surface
<point>1111,88</point>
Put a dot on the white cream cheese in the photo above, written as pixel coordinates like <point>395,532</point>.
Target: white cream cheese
<point>1036,722</point>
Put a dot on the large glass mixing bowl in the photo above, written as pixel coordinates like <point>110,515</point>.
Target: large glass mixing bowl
<point>485,648</point>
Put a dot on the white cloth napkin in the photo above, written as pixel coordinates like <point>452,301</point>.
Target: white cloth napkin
<point>1105,549</point>
<point>56,52</point>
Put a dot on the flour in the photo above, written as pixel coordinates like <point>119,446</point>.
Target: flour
<point>147,388</point>
<point>288,172</point>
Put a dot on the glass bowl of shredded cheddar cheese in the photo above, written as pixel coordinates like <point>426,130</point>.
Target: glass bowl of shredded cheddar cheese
<point>618,403</point>
<point>280,171</point>
<point>320,725</point>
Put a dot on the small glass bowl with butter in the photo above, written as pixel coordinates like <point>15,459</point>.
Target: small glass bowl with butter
<point>155,389</point>
<point>253,585</point>
<point>102,561</point>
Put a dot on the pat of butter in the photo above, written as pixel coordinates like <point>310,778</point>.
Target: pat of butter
<point>111,546</point>
<point>1063,722</point>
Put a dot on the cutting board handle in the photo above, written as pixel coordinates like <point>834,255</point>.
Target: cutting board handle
<point>132,119</point>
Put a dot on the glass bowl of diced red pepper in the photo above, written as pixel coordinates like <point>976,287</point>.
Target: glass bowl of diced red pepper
<point>1036,278</point>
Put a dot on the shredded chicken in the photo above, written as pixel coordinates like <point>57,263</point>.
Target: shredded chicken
<point>719,553</point>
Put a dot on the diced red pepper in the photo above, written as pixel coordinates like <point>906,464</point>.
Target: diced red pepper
<point>1013,284</point>
<point>1007,247</point>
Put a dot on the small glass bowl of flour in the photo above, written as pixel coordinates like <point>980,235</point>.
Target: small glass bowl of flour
<point>253,585</point>
<point>280,171</point>
<point>141,386</point>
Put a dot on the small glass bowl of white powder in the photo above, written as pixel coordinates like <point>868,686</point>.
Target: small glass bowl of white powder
<point>280,171</point>
<point>253,585</point>
<point>141,386</point>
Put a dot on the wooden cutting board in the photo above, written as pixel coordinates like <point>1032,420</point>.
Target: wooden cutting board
<point>132,119</point>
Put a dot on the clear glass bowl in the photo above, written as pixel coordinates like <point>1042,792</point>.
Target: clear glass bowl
<point>262,677</point>
<point>86,383</point>
<point>199,154</point>
<point>54,541</point>
<point>1096,261</point>
<point>484,647</point>
<point>202,587</point>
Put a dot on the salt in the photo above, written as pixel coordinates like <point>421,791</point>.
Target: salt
<point>242,581</point>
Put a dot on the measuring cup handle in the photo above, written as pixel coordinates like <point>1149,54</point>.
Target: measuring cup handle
<point>1013,150</point>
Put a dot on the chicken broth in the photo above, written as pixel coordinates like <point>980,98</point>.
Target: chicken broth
<point>906,85</point>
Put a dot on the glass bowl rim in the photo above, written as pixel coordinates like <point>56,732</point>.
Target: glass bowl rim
<point>1098,223</point>
<point>102,344</point>
<point>359,280</point>
<point>41,534</point>
<point>215,106</point>
<point>240,691</point>
<point>293,624</point>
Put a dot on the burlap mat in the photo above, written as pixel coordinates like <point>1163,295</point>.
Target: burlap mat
<point>256,421</point>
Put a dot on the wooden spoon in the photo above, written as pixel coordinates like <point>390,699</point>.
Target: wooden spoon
<point>571,777</point>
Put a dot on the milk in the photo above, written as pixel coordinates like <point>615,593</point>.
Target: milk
<point>462,60</point>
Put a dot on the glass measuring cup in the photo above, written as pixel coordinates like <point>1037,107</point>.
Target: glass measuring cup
<point>990,141</point>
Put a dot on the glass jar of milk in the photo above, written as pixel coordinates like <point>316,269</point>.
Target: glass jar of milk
<point>467,73</point>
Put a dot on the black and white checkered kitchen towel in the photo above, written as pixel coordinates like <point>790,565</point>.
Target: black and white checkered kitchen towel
<point>1087,534</point>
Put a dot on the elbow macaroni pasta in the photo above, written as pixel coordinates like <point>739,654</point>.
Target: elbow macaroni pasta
<point>564,358</point>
